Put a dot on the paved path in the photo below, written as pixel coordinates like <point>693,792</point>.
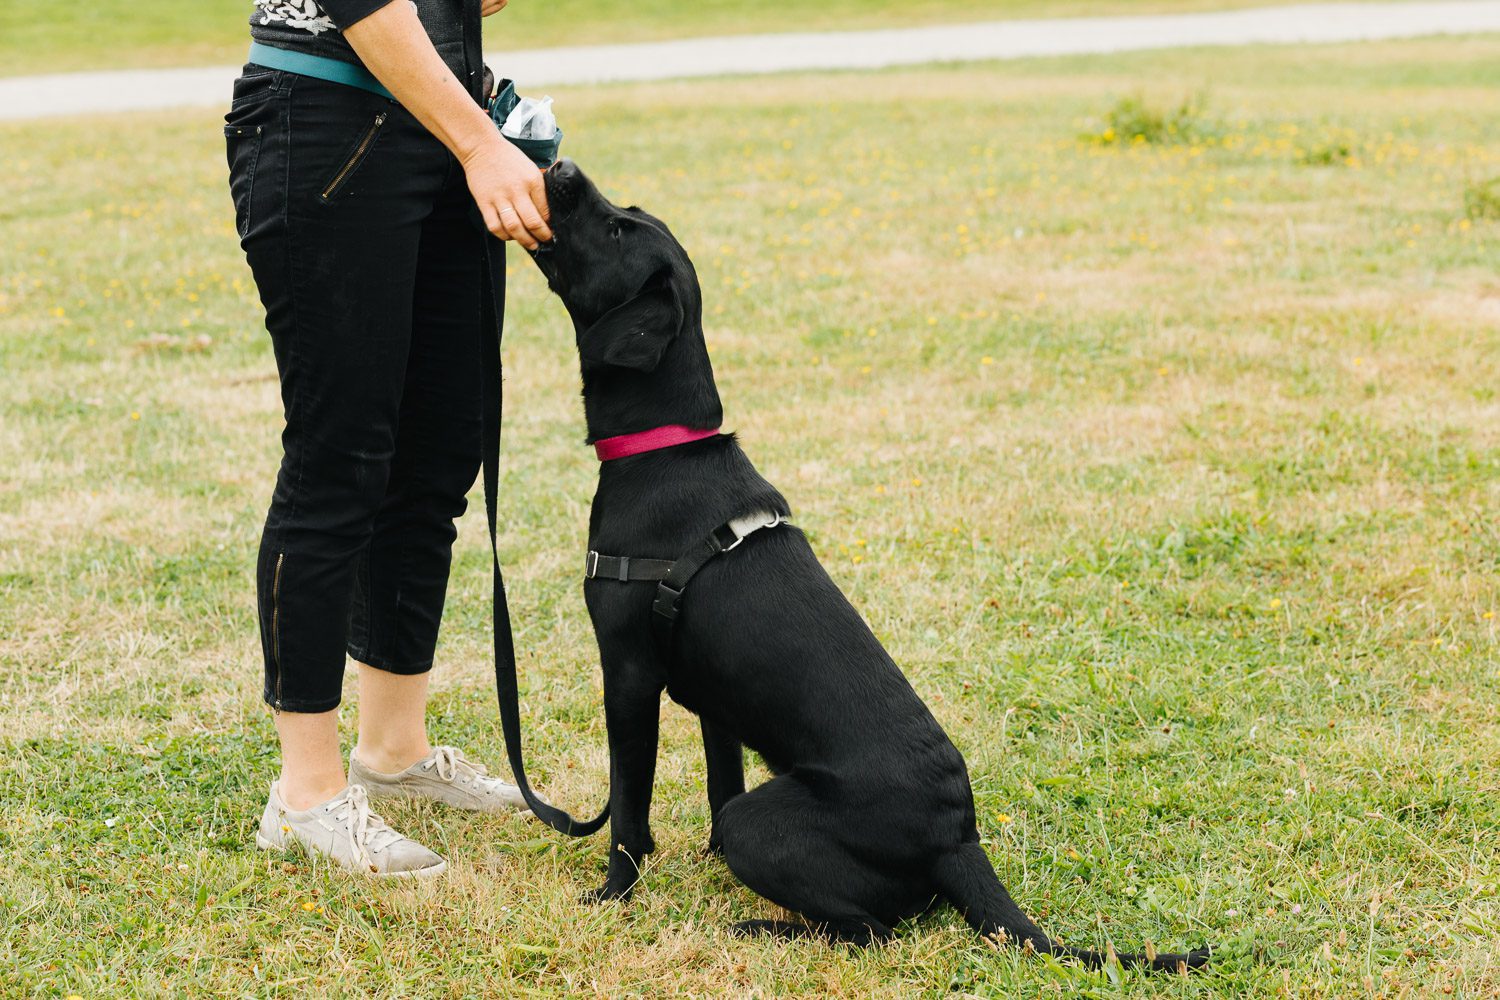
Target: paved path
<point>135,90</point>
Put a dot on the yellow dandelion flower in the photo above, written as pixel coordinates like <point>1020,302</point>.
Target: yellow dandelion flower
<point>309,906</point>
<point>986,360</point>
<point>865,369</point>
<point>916,481</point>
<point>1275,603</point>
<point>1003,818</point>
<point>1488,616</point>
<point>135,414</point>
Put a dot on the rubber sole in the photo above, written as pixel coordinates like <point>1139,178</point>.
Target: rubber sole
<point>421,873</point>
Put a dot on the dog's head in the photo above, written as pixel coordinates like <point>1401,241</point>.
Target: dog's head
<point>636,306</point>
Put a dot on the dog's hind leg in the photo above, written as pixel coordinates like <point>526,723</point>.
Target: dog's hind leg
<point>781,841</point>
<point>858,931</point>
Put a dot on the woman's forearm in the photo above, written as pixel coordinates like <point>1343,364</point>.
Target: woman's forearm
<point>393,45</point>
<point>507,187</point>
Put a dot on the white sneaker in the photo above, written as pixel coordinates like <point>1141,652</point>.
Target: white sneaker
<point>445,775</point>
<point>348,832</point>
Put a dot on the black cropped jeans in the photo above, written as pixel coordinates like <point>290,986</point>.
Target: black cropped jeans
<point>356,223</point>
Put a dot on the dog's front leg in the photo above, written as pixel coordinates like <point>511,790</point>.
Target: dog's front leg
<point>632,708</point>
<point>726,775</point>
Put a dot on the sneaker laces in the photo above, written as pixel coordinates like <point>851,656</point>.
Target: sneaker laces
<point>448,760</point>
<point>367,830</point>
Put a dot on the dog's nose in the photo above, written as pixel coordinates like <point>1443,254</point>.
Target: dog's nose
<point>563,169</point>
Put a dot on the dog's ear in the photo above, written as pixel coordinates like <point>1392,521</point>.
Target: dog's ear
<point>636,333</point>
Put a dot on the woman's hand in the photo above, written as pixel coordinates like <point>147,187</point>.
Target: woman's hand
<point>509,191</point>
<point>506,185</point>
<point>492,7</point>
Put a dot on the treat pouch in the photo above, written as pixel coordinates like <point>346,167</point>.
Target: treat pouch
<point>531,131</point>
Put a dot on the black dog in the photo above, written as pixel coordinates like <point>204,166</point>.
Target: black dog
<point>870,818</point>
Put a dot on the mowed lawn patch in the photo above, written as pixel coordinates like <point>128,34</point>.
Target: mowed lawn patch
<point>1168,468</point>
<point>37,36</point>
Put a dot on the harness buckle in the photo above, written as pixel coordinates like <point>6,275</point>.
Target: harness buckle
<point>591,564</point>
<point>668,602</point>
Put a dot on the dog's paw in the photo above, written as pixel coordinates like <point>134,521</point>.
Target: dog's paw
<point>607,893</point>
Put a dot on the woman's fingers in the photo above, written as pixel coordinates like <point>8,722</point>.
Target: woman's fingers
<point>492,7</point>
<point>491,220</point>
<point>533,210</point>
<point>511,220</point>
<point>537,189</point>
<point>536,229</point>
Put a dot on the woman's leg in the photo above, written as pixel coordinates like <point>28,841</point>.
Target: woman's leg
<point>392,720</point>
<point>331,210</point>
<point>312,769</point>
<point>402,576</point>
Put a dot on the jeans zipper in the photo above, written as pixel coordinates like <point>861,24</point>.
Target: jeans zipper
<point>360,150</point>
<point>276,625</point>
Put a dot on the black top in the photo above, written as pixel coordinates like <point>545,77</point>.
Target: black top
<point>315,27</point>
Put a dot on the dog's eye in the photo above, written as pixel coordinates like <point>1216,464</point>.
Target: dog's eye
<point>614,230</point>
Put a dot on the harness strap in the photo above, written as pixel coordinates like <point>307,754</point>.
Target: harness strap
<point>672,576</point>
<point>492,315</point>
<point>624,568</point>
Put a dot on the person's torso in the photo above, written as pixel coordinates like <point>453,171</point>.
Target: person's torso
<point>303,26</point>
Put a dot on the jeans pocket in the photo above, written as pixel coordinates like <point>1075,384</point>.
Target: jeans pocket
<point>252,112</point>
<point>242,149</point>
<point>352,160</point>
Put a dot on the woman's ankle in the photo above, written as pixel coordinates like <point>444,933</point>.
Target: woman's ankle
<point>391,759</point>
<point>300,793</point>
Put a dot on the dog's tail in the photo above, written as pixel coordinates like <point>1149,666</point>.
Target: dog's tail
<point>967,880</point>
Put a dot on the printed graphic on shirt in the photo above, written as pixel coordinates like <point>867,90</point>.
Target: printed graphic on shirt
<point>303,14</point>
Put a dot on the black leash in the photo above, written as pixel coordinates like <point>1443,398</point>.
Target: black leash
<point>506,685</point>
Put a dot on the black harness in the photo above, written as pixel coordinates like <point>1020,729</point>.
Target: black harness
<point>671,576</point>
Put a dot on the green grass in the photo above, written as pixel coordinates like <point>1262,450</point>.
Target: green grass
<point>1169,473</point>
<point>39,36</point>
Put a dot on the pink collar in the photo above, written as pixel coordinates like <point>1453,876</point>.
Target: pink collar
<point>625,445</point>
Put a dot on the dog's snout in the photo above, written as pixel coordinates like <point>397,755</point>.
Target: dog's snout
<point>562,181</point>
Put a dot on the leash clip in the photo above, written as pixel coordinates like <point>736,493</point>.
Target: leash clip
<point>591,564</point>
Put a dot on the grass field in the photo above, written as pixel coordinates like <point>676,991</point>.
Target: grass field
<point>1169,471</point>
<point>40,36</point>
